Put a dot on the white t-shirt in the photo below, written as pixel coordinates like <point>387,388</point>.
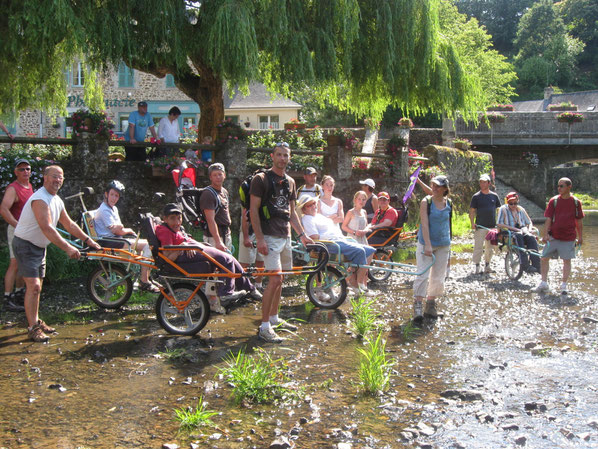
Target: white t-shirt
<point>322,226</point>
<point>104,218</point>
<point>169,131</point>
<point>28,227</point>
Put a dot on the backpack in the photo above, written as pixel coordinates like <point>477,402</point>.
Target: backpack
<point>200,220</point>
<point>577,207</point>
<point>267,210</point>
<point>449,203</point>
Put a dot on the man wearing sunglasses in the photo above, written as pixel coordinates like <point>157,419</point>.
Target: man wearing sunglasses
<point>562,228</point>
<point>271,210</point>
<point>16,195</point>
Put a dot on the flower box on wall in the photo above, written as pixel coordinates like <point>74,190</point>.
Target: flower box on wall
<point>294,126</point>
<point>562,107</point>
<point>500,107</point>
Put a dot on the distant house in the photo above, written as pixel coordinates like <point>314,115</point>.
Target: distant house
<point>586,101</point>
<point>124,88</point>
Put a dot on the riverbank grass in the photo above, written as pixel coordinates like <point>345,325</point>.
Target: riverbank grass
<point>363,318</point>
<point>190,418</point>
<point>258,378</point>
<point>374,367</point>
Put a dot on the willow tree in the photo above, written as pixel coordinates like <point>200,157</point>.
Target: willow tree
<point>380,52</point>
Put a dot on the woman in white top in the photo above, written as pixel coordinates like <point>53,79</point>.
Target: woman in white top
<point>330,206</point>
<point>356,219</point>
<point>168,130</point>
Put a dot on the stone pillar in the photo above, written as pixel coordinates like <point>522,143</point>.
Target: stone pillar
<point>338,162</point>
<point>233,155</point>
<point>90,156</point>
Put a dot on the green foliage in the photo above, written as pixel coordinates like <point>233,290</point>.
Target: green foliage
<point>258,379</point>
<point>374,368</point>
<point>363,316</point>
<point>59,266</point>
<point>39,156</point>
<point>461,224</point>
<point>176,355</point>
<point>231,130</point>
<point>410,331</point>
<point>96,123</point>
<point>588,201</point>
<point>192,418</point>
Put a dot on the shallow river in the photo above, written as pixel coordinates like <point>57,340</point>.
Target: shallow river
<point>104,384</point>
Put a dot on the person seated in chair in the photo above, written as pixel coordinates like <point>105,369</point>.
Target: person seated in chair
<point>113,234</point>
<point>170,232</point>
<point>513,217</point>
<point>319,227</point>
<point>385,217</point>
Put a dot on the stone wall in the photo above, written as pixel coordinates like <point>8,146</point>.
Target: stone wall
<point>584,177</point>
<point>419,138</point>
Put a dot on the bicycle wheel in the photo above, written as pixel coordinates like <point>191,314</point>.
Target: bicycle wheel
<point>513,265</point>
<point>379,275</point>
<point>109,286</point>
<point>327,289</point>
<point>191,319</point>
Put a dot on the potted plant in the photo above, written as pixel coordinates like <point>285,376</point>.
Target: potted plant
<point>371,124</point>
<point>294,124</point>
<point>87,123</point>
<point>395,145</point>
<point>405,122</point>
<point>462,144</point>
<point>494,117</point>
<point>564,106</point>
<point>338,137</point>
<point>162,166</point>
<point>500,107</point>
<point>228,130</point>
<point>570,117</point>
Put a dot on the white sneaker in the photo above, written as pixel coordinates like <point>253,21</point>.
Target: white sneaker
<point>269,335</point>
<point>255,294</point>
<point>366,293</point>
<point>542,287</point>
<point>284,324</point>
<point>234,296</point>
<point>564,288</point>
<point>478,269</point>
<point>217,308</point>
<point>322,296</point>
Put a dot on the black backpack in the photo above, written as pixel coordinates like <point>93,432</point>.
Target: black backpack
<point>267,210</point>
<point>199,221</point>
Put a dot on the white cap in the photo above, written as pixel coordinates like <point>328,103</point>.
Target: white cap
<point>369,182</point>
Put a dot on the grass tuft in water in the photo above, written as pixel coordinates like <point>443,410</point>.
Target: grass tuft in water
<point>174,355</point>
<point>258,378</point>
<point>374,368</point>
<point>190,418</point>
<point>363,317</point>
<point>410,331</point>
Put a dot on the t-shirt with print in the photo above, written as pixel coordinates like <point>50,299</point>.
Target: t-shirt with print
<point>209,201</point>
<point>279,200</point>
<point>564,226</point>
<point>485,205</point>
<point>142,123</point>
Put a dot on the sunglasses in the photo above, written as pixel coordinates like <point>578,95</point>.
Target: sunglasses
<point>512,203</point>
<point>282,144</point>
<point>383,198</point>
<point>562,186</point>
<point>24,169</point>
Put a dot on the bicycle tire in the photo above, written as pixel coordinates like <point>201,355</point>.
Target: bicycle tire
<point>115,296</point>
<point>513,265</point>
<point>192,319</point>
<point>379,275</point>
<point>333,283</point>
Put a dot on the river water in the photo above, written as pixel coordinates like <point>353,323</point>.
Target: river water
<point>104,383</point>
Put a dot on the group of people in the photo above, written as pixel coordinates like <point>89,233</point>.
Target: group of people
<point>265,237</point>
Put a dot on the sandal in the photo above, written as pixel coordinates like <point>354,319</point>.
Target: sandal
<point>148,287</point>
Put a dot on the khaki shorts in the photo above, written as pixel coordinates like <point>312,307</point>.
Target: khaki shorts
<point>559,248</point>
<point>280,253</point>
<point>248,256</point>
<point>10,235</point>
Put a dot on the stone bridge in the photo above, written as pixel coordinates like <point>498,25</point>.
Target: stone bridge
<point>524,134</point>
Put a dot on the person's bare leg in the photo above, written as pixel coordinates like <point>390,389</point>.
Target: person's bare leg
<point>566,269</point>
<point>32,294</point>
<point>268,300</point>
<point>10,276</point>
<point>544,266</point>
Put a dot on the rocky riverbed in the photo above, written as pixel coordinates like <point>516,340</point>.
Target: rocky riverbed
<point>503,367</point>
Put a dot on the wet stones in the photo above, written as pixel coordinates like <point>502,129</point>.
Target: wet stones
<point>464,395</point>
<point>281,442</point>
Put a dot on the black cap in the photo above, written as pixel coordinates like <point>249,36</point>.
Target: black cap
<point>441,181</point>
<point>141,103</point>
<point>171,208</point>
<point>21,161</point>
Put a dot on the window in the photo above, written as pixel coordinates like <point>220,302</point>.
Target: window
<point>125,76</point>
<point>169,81</point>
<point>78,75</point>
<point>269,121</point>
<point>233,118</point>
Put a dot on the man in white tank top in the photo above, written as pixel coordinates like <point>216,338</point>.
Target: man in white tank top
<point>35,230</point>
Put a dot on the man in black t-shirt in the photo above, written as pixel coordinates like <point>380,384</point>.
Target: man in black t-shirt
<point>482,212</point>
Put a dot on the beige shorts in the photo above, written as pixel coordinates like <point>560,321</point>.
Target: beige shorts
<point>248,256</point>
<point>280,253</point>
<point>10,234</point>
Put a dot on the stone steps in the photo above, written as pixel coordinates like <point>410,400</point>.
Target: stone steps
<point>535,212</point>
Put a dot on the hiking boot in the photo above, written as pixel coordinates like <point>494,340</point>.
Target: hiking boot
<point>478,269</point>
<point>430,309</point>
<point>47,329</point>
<point>37,334</point>
<point>269,335</point>
<point>234,296</point>
<point>284,324</point>
<point>488,269</point>
<point>12,304</point>
<point>255,294</point>
<point>564,288</point>
<point>418,314</point>
<point>322,296</point>
<point>542,287</point>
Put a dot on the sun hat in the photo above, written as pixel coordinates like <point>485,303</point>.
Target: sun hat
<point>304,200</point>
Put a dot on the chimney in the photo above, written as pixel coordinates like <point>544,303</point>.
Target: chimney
<point>548,91</point>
